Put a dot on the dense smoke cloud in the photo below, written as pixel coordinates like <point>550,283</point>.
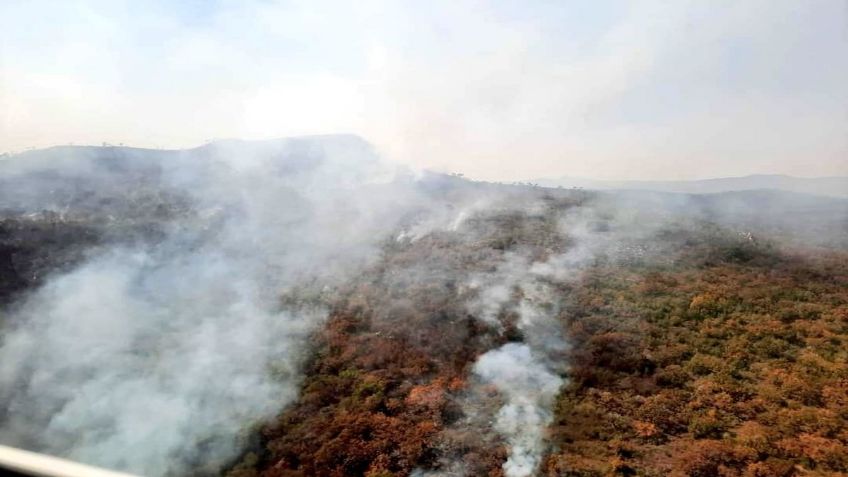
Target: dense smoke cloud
<point>153,357</point>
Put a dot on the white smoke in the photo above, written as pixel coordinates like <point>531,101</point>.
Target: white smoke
<point>453,469</point>
<point>529,374</point>
<point>127,361</point>
<point>157,358</point>
<point>530,389</point>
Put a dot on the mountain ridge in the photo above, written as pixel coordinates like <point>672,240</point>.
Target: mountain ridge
<point>834,186</point>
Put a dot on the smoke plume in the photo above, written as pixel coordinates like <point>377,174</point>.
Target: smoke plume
<point>155,356</point>
<point>530,389</point>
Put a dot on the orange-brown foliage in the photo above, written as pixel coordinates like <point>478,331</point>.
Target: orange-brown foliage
<point>746,367</point>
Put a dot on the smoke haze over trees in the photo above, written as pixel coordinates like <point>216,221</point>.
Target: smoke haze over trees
<point>301,307</point>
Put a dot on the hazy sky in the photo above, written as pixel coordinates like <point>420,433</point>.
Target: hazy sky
<point>496,90</point>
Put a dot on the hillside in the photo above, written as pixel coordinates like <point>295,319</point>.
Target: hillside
<point>709,355</point>
<point>301,308</point>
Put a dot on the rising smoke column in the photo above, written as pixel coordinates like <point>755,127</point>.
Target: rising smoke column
<point>526,374</point>
<point>530,389</point>
<point>529,374</point>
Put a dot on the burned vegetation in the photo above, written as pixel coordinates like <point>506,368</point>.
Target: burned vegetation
<point>715,354</point>
<point>382,390</point>
<point>427,326</point>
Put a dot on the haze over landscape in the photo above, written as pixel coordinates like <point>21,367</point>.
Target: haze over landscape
<point>394,239</point>
<point>495,90</point>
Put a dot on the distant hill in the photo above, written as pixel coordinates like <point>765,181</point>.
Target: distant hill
<point>827,186</point>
